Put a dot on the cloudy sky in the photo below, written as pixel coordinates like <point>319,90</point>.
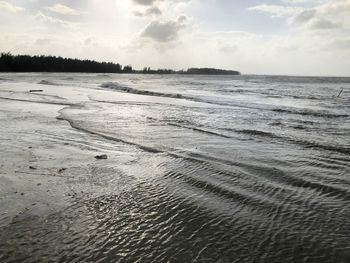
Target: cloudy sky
<point>298,37</point>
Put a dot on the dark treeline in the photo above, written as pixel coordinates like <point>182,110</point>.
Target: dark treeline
<point>157,71</point>
<point>211,71</point>
<point>26,63</point>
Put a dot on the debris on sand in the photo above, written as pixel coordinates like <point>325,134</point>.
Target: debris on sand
<point>62,170</point>
<point>36,90</point>
<point>32,168</point>
<point>101,157</point>
<point>340,93</point>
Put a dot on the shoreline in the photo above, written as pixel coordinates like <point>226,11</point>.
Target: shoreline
<point>46,163</point>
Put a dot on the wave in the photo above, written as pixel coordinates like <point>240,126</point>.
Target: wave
<point>200,130</point>
<point>108,137</point>
<point>306,112</point>
<point>304,143</point>
<point>47,82</point>
<point>115,86</point>
<point>5,79</point>
<point>41,102</point>
<point>273,174</point>
<point>103,75</point>
<point>255,133</point>
<point>233,90</point>
<point>303,112</point>
<point>270,135</point>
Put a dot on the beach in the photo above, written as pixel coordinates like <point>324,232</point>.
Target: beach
<point>156,168</point>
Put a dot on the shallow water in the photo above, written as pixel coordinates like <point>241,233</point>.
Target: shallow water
<point>224,169</point>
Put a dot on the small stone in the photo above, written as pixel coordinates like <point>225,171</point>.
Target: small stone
<point>32,168</point>
<point>38,184</point>
<point>30,147</point>
<point>22,193</point>
<point>101,157</point>
<point>62,170</point>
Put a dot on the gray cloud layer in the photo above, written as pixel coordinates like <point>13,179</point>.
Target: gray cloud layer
<point>164,31</point>
<point>145,2</point>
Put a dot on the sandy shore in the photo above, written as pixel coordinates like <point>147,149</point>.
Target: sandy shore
<point>45,164</point>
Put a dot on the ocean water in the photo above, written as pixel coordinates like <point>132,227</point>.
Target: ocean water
<point>223,169</point>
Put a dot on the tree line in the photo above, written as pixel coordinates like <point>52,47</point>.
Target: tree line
<point>26,63</point>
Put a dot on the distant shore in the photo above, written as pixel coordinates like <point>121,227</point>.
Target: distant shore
<point>26,63</point>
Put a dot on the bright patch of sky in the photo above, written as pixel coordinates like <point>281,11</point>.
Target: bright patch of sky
<point>298,37</point>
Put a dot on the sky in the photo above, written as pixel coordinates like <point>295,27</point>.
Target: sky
<point>283,37</point>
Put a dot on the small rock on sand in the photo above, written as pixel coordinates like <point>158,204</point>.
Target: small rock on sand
<point>101,157</point>
<point>32,168</point>
<point>62,170</point>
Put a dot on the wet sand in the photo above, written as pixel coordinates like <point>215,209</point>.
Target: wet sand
<point>45,164</point>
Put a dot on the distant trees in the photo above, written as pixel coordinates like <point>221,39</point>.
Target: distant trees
<point>211,71</point>
<point>195,71</point>
<point>157,71</point>
<point>127,69</point>
<point>25,63</point>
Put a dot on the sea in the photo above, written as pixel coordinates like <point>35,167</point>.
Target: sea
<point>213,169</point>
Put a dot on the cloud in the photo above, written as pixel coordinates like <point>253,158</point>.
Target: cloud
<point>10,7</point>
<point>144,2</point>
<point>325,16</point>
<point>277,10</point>
<point>335,7</point>
<point>323,24</point>
<point>164,31</point>
<point>153,10</point>
<point>55,21</point>
<point>63,10</point>
<point>340,44</point>
<point>144,8</point>
<point>330,15</point>
<point>152,2</point>
<point>296,1</point>
<point>228,47</point>
<point>43,41</point>
<point>304,16</point>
